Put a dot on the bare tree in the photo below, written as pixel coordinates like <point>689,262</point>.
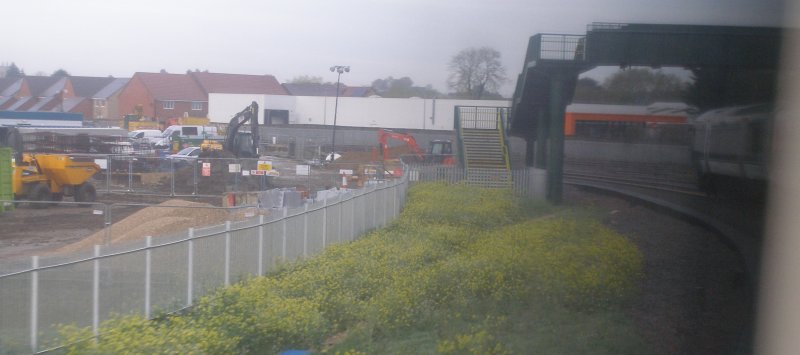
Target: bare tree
<point>476,72</point>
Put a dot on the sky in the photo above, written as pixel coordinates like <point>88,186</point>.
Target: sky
<point>377,39</point>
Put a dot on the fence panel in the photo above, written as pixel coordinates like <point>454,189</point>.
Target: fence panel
<point>167,272</point>
<point>316,228</point>
<point>359,206</point>
<point>122,282</point>
<point>295,231</point>
<point>169,275</point>
<point>142,174</point>
<point>383,205</point>
<point>15,313</point>
<point>244,249</point>
<point>64,297</point>
<point>346,220</point>
<point>273,241</point>
<point>332,223</point>
<point>209,258</point>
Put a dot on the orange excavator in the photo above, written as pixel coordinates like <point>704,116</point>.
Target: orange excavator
<point>439,151</point>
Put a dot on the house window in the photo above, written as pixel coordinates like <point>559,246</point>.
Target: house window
<point>169,105</point>
<point>197,106</point>
<point>100,102</point>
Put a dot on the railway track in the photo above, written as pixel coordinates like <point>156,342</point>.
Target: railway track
<point>673,188</point>
<point>662,177</point>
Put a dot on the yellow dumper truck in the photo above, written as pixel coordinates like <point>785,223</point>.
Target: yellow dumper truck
<point>49,177</point>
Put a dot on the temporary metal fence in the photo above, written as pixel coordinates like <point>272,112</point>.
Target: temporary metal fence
<point>167,273</point>
<point>527,182</point>
<point>180,176</point>
<point>209,177</point>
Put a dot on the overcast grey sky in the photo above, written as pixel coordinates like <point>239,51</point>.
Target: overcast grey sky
<point>381,38</point>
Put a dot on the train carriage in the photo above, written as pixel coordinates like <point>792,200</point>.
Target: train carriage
<point>732,142</point>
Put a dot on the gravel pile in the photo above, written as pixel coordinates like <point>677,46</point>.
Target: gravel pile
<point>165,218</point>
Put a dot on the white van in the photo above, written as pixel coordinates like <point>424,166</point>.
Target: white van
<point>185,131</point>
<point>189,131</point>
<point>145,135</point>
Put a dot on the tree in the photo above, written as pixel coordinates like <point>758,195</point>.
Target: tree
<point>588,90</point>
<point>60,73</point>
<point>403,88</point>
<point>719,87</point>
<point>642,86</point>
<point>14,72</point>
<point>476,72</point>
<point>306,79</point>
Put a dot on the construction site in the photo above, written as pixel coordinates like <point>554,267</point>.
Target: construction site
<point>108,189</point>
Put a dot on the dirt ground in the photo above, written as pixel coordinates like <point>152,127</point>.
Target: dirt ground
<point>693,295</point>
<point>26,231</point>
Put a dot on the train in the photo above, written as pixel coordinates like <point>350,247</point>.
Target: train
<point>733,144</point>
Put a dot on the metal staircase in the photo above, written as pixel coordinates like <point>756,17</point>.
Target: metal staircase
<point>484,152</point>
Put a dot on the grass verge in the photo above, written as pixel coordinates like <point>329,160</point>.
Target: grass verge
<point>463,270</point>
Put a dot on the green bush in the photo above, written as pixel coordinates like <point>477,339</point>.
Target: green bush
<point>137,335</point>
<point>460,205</point>
<point>458,272</point>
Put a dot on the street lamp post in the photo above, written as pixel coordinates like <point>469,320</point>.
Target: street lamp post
<point>339,69</point>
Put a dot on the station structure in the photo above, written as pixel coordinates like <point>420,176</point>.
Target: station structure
<point>553,62</point>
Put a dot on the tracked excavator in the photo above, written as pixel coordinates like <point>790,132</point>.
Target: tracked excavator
<point>238,143</point>
<point>439,151</point>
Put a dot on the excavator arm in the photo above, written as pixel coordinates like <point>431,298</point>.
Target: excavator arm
<point>234,141</point>
<point>384,135</point>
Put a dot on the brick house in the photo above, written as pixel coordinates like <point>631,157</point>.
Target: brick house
<point>89,96</point>
<point>95,94</point>
<point>219,83</point>
<point>11,89</point>
<point>163,96</point>
<point>37,93</point>
<point>104,103</point>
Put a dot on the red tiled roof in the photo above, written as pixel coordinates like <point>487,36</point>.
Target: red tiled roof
<point>178,87</point>
<point>238,83</point>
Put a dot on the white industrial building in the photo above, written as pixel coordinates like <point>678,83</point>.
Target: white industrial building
<point>412,113</point>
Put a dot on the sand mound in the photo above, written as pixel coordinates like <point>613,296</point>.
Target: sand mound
<point>168,217</point>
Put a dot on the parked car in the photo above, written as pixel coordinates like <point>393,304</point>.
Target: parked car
<point>186,154</point>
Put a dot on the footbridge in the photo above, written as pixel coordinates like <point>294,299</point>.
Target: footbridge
<point>553,62</point>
